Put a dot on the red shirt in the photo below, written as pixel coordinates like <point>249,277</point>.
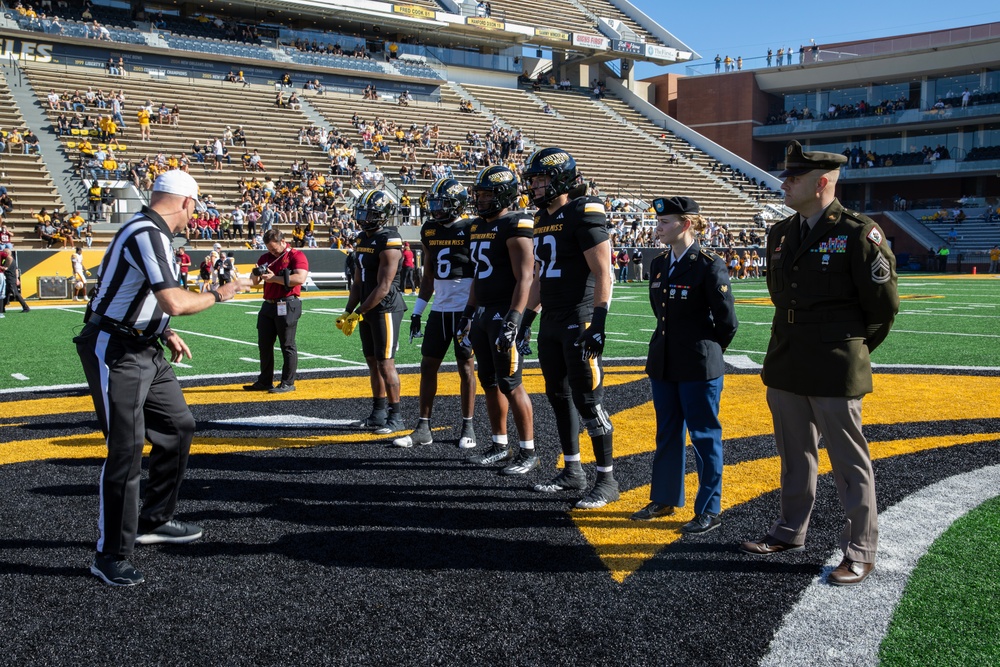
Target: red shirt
<point>408,258</point>
<point>184,260</point>
<point>292,260</point>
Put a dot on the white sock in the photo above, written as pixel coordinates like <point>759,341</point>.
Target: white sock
<point>500,439</point>
<point>528,444</point>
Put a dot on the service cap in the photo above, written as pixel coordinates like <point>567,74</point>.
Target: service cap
<point>798,161</point>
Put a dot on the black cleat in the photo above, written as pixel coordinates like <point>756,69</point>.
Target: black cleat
<point>468,438</point>
<point>492,456</point>
<point>394,425</point>
<point>373,421</point>
<point>420,436</point>
<point>525,461</point>
<point>603,493</point>
<point>564,481</point>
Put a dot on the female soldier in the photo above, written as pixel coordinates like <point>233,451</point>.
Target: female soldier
<point>695,322</point>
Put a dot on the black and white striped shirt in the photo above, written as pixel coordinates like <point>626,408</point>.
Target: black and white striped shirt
<point>139,262</point>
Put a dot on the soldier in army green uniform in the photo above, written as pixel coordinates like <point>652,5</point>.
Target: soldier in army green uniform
<point>832,278</point>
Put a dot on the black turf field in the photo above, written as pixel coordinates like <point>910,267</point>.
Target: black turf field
<point>359,554</point>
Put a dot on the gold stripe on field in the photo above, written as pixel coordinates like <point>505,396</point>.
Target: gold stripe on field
<point>624,545</point>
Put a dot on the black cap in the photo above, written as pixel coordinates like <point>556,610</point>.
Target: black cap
<point>799,162</point>
<point>675,206</point>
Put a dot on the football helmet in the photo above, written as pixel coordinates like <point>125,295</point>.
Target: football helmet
<point>502,183</point>
<point>374,209</point>
<point>447,200</point>
<point>559,166</point>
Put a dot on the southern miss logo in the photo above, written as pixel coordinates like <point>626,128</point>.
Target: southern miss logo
<point>554,159</point>
<point>455,189</point>
<point>501,177</point>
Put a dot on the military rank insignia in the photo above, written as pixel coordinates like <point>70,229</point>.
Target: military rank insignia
<point>881,271</point>
<point>723,288</point>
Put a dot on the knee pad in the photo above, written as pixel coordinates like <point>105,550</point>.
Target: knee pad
<point>598,425</point>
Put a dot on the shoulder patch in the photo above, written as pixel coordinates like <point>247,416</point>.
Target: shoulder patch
<point>875,236</point>
<point>525,223</point>
<point>593,208</point>
<point>394,242</point>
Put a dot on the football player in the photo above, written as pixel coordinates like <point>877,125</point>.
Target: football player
<point>501,248</point>
<point>447,276</point>
<point>573,286</point>
<point>376,306</point>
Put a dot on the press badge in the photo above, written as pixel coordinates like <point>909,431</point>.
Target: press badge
<point>282,308</point>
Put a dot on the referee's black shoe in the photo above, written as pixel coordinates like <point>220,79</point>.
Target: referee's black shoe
<point>171,532</point>
<point>258,386</point>
<point>282,388</point>
<point>115,571</point>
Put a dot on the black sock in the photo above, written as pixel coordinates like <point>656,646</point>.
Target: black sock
<point>378,404</point>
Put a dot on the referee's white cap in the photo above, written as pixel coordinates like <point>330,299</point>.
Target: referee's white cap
<point>177,182</point>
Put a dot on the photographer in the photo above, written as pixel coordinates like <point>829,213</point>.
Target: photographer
<point>282,270</point>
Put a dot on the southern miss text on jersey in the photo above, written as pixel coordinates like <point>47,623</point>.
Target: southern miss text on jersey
<point>560,241</point>
<point>369,249</point>
<point>494,283</point>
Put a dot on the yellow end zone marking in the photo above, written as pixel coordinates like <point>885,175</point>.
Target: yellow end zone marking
<point>624,545</point>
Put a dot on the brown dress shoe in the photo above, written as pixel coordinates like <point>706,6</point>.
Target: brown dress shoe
<point>850,573</point>
<point>769,545</point>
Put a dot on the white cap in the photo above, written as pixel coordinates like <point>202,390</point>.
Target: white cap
<point>177,182</point>
<point>217,246</point>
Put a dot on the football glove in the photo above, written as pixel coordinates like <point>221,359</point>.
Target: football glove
<point>415,327</point>
<point>591,339</point>
<point>351,323</point>
<point>508,331</point>
<point>524,341</point>
<point>462,332</point>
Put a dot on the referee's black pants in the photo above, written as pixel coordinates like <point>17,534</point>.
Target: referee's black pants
<point>137,398</point>
<point>271,327</point>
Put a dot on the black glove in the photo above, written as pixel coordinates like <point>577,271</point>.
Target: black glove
<point>508,331</point>
<point>524,334</point>
<point>415,327</point>
<point>464,327</point>
<point>591,339</point>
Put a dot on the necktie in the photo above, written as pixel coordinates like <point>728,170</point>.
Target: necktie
<point>673,263</point>
<point>803,231</point>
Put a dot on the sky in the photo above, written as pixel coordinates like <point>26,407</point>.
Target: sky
<point>749,28</point>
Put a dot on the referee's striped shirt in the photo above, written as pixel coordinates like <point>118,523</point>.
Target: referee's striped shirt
<point>139,262</point>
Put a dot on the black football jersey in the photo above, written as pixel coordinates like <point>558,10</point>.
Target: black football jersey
<point>494,279</point>
<point>560,240</point>
<point>369,248</point>
<point>448,246</point>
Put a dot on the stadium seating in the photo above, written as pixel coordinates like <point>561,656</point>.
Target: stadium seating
<point>621,160</point>
<point>25,176</point>
<point>206,109</point>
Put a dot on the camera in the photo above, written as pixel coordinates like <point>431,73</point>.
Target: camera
<point>258,271</point>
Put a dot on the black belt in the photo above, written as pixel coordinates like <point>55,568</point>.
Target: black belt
<point>290,297</point>
<point>116,328</point>
<point>811,317</point>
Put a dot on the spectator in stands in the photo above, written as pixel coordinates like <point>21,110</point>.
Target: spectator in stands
<point>294,102</point>
<point>31,143</point>
<point>15,141</point>
<point>994,258</point>
<point>144,123</point>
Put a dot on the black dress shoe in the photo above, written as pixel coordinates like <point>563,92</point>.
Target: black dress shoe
<point>769,545</point>
<point>652,511</point>
<point>257,386</point>
<point>701,523</point>
<point>282,389</point>
<point>850,573</point>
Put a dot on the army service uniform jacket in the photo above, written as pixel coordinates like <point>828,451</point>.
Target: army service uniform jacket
<point>835,300</point>
<point>695,317</point>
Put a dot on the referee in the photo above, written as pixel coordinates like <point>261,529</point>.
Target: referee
<point>136,394</point>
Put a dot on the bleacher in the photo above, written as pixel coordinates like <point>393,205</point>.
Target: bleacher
<point>604,9</point>
<point>340,61</point>
<point>623,162</point>
<point>567,17</point>
<point>221,47</point>
<point>975,234</point>
<point>452,128</point>
<point>206,109</point>
<point>25,176</point>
